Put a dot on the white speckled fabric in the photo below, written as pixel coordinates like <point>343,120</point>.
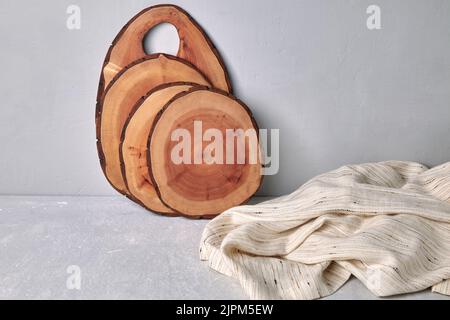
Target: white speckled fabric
<point>388,224</point>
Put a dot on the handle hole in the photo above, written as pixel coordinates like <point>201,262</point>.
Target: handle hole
<point>163,38</point>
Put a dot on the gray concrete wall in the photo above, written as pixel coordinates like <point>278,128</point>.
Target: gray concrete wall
<point>338,92</point>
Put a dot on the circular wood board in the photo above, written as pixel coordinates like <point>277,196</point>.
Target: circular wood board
<point>121,95</point>
<point>207,189</point>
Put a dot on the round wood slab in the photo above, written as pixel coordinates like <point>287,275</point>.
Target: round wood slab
<point>121,95</point>
<point>207,189</point>
<point>133,149</point>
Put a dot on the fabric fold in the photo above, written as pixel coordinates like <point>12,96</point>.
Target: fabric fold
<point>387,224</point>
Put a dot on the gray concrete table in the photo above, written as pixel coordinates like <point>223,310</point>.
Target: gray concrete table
<point>122,251</point>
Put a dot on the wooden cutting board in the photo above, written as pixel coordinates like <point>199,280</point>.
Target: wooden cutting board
<point>121,95</point>
<point>221,179</point>
<point>143,99</point>
<point>134,140</point>
<point>195,46</point>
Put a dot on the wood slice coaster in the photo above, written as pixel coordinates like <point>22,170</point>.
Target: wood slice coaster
<point>203,190</point>
<point>195,46</point>
<point>121,95</point>
<point>134,146</point>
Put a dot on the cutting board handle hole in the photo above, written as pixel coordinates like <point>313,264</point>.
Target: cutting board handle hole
<point>163,38</point>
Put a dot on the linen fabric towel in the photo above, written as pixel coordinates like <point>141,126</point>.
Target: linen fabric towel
<point>388,224</point>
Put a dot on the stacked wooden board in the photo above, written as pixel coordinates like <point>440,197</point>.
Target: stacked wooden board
<point>142,99</point>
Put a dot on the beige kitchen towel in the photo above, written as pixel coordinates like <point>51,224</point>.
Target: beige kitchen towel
<point>387,224</point>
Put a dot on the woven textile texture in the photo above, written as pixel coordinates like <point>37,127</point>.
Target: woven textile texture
<point>388,224</point>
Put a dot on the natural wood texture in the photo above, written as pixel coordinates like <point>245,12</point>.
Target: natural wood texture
<point>143,98</point>
<point>134,146</point>
<point>202,190</point>
<point>128,86</point>
<point>195,46</point>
